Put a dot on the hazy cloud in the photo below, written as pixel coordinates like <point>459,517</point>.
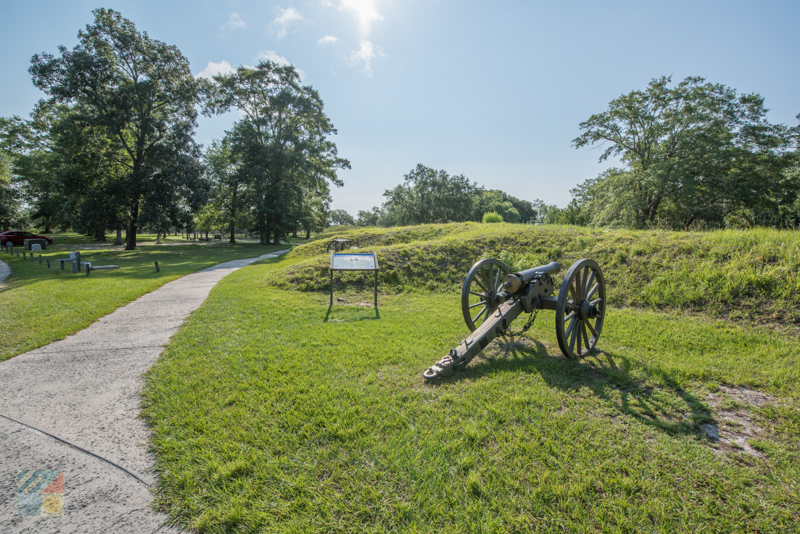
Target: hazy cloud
<point>364,11</point>
<point>365,54</point>
<point>328,39</point>
<point>235,22</point>
<point>215,69</point>
<point>282,21</point>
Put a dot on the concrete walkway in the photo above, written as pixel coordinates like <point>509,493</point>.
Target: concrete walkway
<point>73,405</point>
<point>5,271</point>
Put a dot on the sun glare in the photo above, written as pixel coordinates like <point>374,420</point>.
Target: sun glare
<point>365,11</point>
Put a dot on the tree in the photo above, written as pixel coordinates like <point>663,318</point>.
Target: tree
<point>141,91</point>
<point>368,218</point>
<point>495,202</point>
<point>228,184</point>
<point>340,217</point>
<point>694,152</point>
<point>431,196</point>
<point>281,143</point>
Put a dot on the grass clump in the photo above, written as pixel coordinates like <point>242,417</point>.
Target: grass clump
<point>492,217</point>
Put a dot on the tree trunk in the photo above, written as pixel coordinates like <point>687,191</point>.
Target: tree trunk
<point>119,236</point>
<point>158,238</point>
<point>206,235</point>
<point>131,237</point>
<point>47,226</point>
<point>308,234</point>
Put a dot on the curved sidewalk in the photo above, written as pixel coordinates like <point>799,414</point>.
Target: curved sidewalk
<point>83,392</point>
<point>5,272</point>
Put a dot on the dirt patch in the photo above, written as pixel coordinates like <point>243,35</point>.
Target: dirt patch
<point>735,426</point>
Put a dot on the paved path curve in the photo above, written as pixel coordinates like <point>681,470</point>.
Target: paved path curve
<point>73,405</point>
<point>5,271</point>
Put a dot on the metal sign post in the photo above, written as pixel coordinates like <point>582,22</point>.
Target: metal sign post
<point>341,261</point>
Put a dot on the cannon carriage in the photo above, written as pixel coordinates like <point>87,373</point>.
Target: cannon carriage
<point>492,297</point>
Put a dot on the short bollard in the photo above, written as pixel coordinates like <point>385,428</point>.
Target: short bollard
<point>48,263</point>
<point>32,258</point>
<point>157,269</point>
<point>24,257</point>
<point>88,270</point>
<point>18,253</point>
<point>62,264</point>
<point>40,259</point>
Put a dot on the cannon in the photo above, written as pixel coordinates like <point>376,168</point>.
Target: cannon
<point>492,297</point>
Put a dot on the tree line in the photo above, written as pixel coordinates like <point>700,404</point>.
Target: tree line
<point>695,155</point>
<point>113,147</point>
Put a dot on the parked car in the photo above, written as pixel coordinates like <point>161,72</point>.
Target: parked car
<point>18,238</point>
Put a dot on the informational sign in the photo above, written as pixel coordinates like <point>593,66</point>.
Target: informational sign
<point>354,262</point>
<point>345,261</point>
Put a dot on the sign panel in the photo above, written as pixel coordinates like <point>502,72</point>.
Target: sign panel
<point>354,262</point>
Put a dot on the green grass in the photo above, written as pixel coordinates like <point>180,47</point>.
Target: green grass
<point>42,305</point>
<point>273,413</point>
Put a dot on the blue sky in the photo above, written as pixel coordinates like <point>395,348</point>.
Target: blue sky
<point>492,90</point>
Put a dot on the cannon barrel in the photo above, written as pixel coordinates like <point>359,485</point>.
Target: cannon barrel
<point>513,282</point>
<point>550,268</point>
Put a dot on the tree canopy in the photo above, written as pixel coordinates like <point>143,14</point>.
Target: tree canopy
<point>695,152</point>
<point>142,95</point>
<point>281,145</point>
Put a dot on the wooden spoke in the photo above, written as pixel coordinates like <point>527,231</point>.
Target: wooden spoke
<point>585,337</point>
<point>588,287</point>
<point>477,304</point>
<point>573,336</point>
<point>577,286</point>
<point>595,302</point>
<point>477,281</point>
<point>594,332</point>
<point>571,326</point>
<point>481,295</point>
<point>474,319</point>
<point>575,298</point>
<point>497,280</point>
<point>594,288</point>
<point>571,315</point>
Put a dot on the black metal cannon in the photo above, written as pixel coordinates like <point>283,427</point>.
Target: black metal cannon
<point>500,296</point>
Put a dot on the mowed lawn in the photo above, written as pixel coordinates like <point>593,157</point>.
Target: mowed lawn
<point>40,305</point>
<point>273,413</point>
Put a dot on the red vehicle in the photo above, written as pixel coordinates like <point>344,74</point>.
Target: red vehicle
<point>18,238</point>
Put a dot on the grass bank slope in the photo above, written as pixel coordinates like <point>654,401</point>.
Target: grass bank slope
<point>272,412</point>
<point>752,275</point>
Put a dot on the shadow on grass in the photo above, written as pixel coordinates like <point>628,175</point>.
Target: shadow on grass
<point>643,391</point>
<point>348,314</point>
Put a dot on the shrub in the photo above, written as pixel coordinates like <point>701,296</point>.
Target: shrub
<point>492,217</point>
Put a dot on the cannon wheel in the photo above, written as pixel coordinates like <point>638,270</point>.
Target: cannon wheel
<point>580,309</point>
<point>480,289</point>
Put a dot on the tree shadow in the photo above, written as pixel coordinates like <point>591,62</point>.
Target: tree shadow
<point>645,392</point>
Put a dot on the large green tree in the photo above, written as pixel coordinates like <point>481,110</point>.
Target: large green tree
<point>142,93</point>
<point>693,152</point>
<point>281,143</point>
